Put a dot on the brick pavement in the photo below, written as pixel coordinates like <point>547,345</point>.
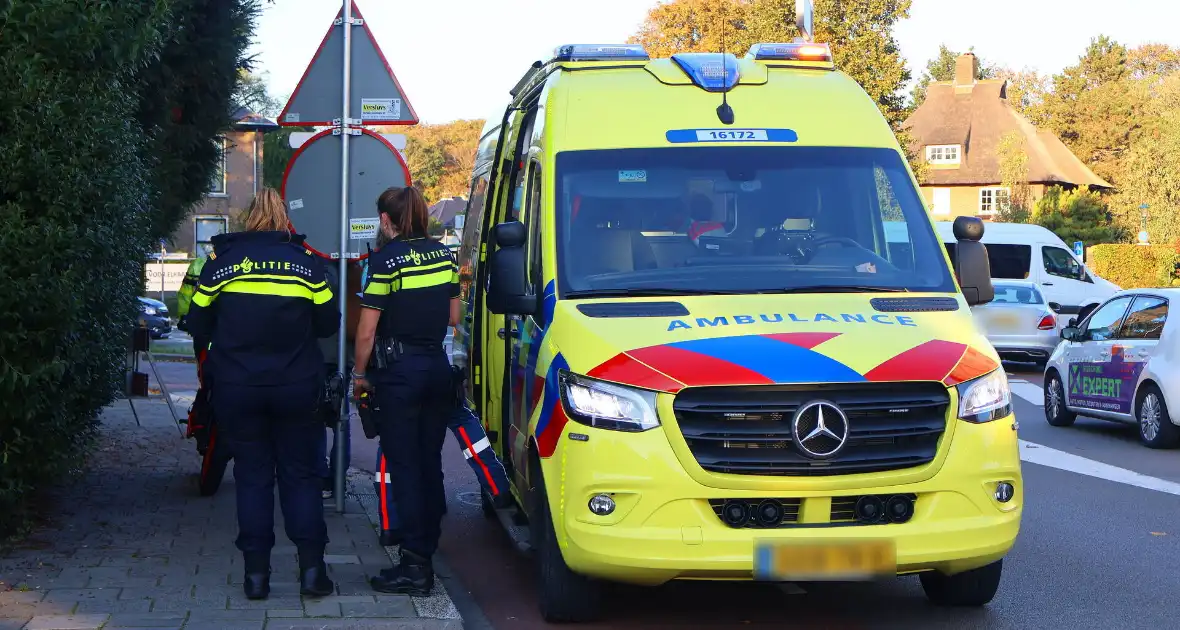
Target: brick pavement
<point>134,546</point>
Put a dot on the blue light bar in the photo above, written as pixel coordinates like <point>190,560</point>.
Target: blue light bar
<point>711,71</point>
<point>794,51</point>
<point>601,52</point>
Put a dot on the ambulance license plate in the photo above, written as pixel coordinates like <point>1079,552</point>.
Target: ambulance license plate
<point>818,561</point>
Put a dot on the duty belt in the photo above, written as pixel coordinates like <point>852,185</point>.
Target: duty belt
<point>386,352</point>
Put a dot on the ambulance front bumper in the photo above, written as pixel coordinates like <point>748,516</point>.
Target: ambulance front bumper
<point>665,524</point>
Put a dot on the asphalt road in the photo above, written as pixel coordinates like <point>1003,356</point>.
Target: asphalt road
<point>1092,553</point>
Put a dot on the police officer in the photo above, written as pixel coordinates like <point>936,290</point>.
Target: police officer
<point>262,301</point>
<point>410,299</point>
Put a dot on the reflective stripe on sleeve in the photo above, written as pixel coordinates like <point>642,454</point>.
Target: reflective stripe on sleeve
<point>478,447</point>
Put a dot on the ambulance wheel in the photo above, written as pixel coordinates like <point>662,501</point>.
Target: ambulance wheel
<point>213,465</point>
<point>565,596</point>
<point>972,588</point>
<point>1055,412</point>
<point>1155,425</point>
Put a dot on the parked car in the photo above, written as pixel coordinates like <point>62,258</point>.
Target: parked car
<point>1121,363</point>
<point>153,315</point>
<point>1018,251</point>
<point>1018,322</point>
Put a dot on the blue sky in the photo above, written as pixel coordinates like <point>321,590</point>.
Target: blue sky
<point>458,58</point>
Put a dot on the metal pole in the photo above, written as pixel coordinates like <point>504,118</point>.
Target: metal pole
<point>162,270</point>
<point>338,442</point>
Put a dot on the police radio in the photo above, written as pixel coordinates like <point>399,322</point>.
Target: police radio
<point>331,399</point>
<point>365,406</point>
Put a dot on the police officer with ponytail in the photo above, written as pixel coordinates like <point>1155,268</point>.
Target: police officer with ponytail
<point>410,299</point>
<point>262,301</point>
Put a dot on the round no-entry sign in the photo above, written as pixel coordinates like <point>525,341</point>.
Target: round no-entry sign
<point>311,188</point>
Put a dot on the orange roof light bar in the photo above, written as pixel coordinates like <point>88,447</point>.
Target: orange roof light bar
<point>794,51</point>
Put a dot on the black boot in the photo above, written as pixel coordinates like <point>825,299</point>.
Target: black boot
<point>390,538</point>
<point>412,576</point>
<point>257,580</point>
<point>314,582</point>
<point>313,575</point>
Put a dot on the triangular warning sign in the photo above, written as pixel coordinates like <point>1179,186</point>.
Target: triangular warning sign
<point>376,96</point>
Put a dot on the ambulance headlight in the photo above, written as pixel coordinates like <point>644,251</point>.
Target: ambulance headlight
<point>986,398</point>
<point>607,405</point>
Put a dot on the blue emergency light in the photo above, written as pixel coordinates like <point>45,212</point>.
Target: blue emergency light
<point>712,71</point>
<point>601,52</point>
<point>794,51</point>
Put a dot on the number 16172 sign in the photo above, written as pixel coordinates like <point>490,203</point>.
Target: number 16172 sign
<point>684,136</point>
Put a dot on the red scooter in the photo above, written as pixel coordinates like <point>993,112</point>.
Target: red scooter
<point>215,456</point>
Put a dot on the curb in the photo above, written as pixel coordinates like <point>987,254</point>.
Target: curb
<point>439,604</point>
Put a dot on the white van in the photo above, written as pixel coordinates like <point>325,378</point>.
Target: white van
<point>1019,251</point>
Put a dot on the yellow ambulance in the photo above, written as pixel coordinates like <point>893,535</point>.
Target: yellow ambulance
<point>712,332</point>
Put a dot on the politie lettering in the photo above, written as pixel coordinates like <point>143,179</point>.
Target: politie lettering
<point>778,318</point>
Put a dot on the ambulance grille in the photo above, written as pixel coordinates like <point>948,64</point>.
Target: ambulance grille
<point>747,430</point>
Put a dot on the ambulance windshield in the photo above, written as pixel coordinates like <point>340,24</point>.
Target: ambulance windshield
<point>742,220</point>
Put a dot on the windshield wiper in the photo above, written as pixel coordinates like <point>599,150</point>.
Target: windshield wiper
<point>838,288</point>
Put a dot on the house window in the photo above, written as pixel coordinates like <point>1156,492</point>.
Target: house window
<point>204,229</point>
<point>942,154</point>
<point>992,201</point>
<point>217,186</point>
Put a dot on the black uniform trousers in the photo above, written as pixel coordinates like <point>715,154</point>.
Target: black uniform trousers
<point>414,402</point>
<point>273,432</point>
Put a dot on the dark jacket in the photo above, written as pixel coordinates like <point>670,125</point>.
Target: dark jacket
<point>262,301</point>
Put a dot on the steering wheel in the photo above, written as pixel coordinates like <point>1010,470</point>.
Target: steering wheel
<point>836,240</point>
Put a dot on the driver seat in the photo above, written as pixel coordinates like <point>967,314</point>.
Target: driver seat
<point>596,248</point>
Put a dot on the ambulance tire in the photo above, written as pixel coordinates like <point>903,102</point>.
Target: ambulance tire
<point>213,465</point>
<point>1157,431</point>
<point>565,596</point>
<point>972,588</point>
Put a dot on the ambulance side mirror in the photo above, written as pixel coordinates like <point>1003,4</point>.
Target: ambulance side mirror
<point>971,264</point>
<point>508,288</point>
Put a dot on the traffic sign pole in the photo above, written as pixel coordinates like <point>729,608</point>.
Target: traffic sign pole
<point>366,85</point>
<point>338,442</point>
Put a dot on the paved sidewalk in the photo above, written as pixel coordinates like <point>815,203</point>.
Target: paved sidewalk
<point>134,546</point>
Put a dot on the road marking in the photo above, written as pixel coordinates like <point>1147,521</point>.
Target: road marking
<point>1031,392</point>
<point>790,588</point>
<point>1053,458</point>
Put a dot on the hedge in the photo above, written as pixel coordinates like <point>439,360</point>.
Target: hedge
<point>1135,266</point>
<point>80,200</point>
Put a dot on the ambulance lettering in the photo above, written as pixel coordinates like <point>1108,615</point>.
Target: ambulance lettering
<point>778,318</point>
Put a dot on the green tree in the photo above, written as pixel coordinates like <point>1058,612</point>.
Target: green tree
<point>942,68</point>
<point>186,94</point>
<point>1076,215</point>
<point>441,157</point>
<point>1013,155</point>
<point>426,161</point>
<point>1117,111</point>
<point>80,206</point>
<point>1153,62</point>
<point>1094,109</point>
<point>253,93</point>
<point>1150,172</point>
<point>1025,91</point>
<point>276,155</point>
<point>860,33</point>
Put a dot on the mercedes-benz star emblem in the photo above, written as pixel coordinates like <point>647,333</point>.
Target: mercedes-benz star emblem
<point>820,429</point>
